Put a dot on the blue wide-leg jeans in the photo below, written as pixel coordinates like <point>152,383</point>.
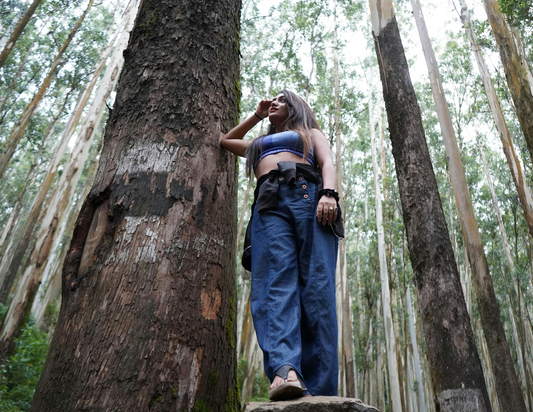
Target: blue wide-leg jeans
<point>293,288</point>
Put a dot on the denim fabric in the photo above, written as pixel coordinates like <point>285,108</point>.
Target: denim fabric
<point>293,288</point>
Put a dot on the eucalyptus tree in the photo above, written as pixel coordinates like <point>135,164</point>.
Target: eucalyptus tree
<point>507,384</point>
<point>18,131</point>
<point>516,74</point>
<point>19,28</point>
<point>457,378</point>
<point>10,263</point>
<point>161,260</point>
<point>390,339</point>
<point>56,213</point>
<point>513,161</point>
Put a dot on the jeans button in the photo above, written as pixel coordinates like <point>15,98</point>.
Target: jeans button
<point>300,178</point>
<point>304,187</point>
<point>306,196</point>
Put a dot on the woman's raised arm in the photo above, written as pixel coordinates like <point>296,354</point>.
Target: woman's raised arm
<point>233,140</point>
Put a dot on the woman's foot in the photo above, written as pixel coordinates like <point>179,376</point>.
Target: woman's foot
<point>278,380</point>
<point>285,389</point>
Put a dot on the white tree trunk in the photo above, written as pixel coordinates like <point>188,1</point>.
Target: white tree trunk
<point>421,401</point>
<point>524,194</point>
<point>64,192</point>
<point>24,121</point>
<point>394,381</point>
<point>503,367</point>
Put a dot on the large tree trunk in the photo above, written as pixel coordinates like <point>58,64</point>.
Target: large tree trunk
<point>19,28</point>
<point>18,131</point>
<point>524,194</point>
<point>390,338</point>
<point>506,379</point>
<point>515,72</point>
<point>62,197</point>
<point>457,378</point>
<point>149,323</point>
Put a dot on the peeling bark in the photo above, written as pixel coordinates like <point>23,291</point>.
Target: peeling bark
<point>137,329</point>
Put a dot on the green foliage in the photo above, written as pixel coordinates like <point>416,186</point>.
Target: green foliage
<point>20,374</point>
<point>261,384</point>
<point>519,12</point>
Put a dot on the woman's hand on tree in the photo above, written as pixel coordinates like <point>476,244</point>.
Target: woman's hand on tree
<point>326,211</point>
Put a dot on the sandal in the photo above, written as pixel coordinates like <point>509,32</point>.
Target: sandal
<point>289,389</point>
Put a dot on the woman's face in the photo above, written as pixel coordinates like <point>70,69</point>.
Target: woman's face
<point>278,109</point>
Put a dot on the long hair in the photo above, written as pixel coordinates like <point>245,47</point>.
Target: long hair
<point>300,118</point>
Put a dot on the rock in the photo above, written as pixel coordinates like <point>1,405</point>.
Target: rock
<point>311,404</point>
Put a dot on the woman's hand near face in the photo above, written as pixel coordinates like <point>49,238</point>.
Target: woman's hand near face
<point>233,140</point>
<point>262,108</point>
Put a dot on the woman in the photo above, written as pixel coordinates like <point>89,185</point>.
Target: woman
<point>295,219</point>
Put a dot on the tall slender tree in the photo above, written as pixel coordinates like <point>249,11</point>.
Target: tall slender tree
<point>506,379</point>
<point>19,28</point>
<point>150,322</point>
<point>457,378</point>
<point>18,131</point>
<point>10,263</point>
<point>347,357</point>
<point>54,217</point>
<point>515,73</point>
<point>519,179</point>
<point>390,338</point>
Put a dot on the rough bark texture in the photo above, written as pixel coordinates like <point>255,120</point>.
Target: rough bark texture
<point>315,404</point>
<point>149,324</point>
<point>21,25</point>
<point>515,73</point>
<point>454,362</point>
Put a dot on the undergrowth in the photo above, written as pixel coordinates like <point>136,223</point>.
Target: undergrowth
<point>20,373</point>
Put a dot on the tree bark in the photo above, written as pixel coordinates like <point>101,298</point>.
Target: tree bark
<point>457,378</point>
<point>506,379</point>
<point>21,25</point>
<point>18,131</point>
<point>149,324</point>
<point>515,72</point>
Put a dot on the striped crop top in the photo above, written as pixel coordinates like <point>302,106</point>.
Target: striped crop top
<point>288,141</point>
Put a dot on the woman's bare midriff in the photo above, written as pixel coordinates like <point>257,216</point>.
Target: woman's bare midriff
<point>270,162</point>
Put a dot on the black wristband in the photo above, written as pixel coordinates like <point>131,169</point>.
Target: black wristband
<point>260,118</point>
<point>328,192</point>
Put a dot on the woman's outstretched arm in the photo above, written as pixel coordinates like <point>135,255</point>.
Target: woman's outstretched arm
<point>233,140</point>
